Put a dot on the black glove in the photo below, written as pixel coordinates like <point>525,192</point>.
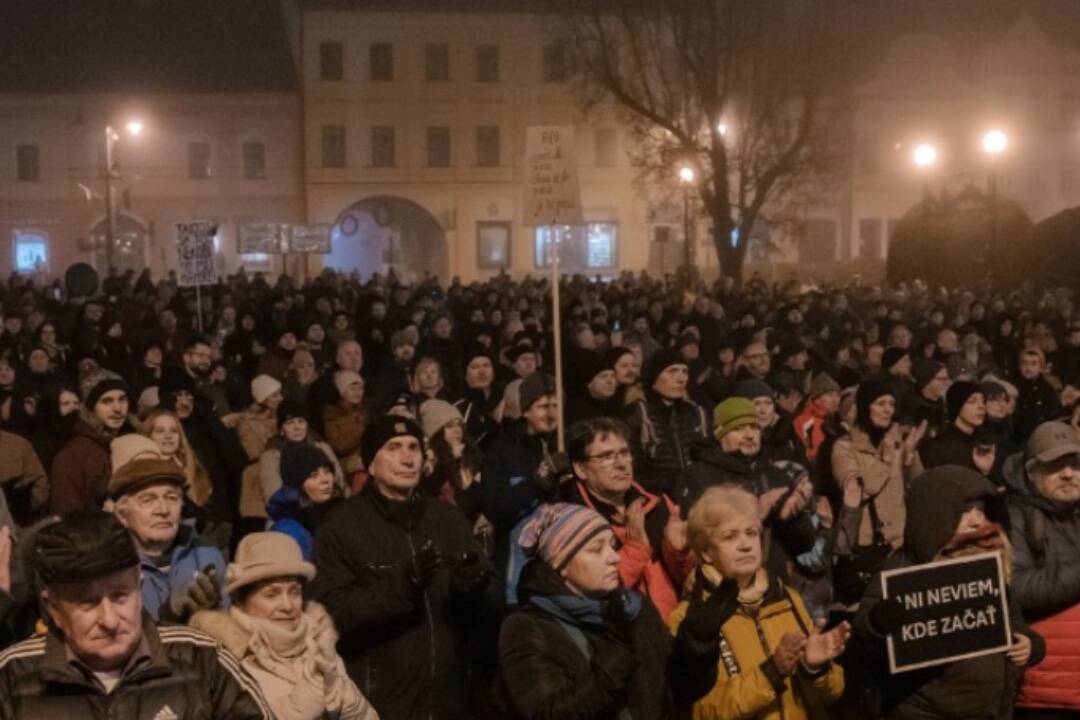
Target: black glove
<point>887,616</point>
<point>471,572</point>
<point>619,617</point>
<point>425,563</point>
<point>704,618</point>
<point>200,594</point>
<point>552,470</point>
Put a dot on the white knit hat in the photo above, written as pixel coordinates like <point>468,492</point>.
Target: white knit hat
<point>437,414</point>
<point>263,386</point>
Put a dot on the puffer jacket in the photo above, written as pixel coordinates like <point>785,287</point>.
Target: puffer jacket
<point>1046,583</point>
<point>661,435</point>
<point>747,684</point>
<point>187,675</point>
<point>187,556</point>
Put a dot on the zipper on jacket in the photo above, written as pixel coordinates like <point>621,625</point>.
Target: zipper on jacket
<point>431,634</point>
<point>674,423</point>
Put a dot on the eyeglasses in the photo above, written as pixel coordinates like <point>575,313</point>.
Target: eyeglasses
<point>609,457</point>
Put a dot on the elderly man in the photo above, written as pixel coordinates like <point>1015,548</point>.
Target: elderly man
<point>102,657</point>
<point>1044,509</point>
<point>397,573</point>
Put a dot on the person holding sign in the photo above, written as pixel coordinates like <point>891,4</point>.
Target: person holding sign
<point>762,653</point>
<point>959,513</point>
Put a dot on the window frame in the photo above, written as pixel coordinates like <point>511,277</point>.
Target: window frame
<point>324,47</point>
<point>430,132</point>
<point>483,263</point>
<point>480,144</point>
<point>437,62</point>
<point>35,153</point>
<point>244,147</point>
<point>385,65</point>
<point>480,76</point>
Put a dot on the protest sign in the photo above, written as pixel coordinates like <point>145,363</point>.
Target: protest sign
<point>954,609</point>
<point>264,238</point>
<point>552,196</point>
<point>309,239</point>
<point>195,248</point>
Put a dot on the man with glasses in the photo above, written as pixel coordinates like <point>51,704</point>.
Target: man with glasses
<point>1044,499</point>
<point>654,557</point>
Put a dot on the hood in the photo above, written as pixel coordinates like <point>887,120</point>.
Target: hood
<point>937,498</point>
<point>735,464</point>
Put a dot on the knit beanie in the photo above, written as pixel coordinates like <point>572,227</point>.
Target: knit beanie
<point>299,461</point>
<point>534,387</point>
<point>891,356</point>
<point>924,371</point>
<point>822,384</point>
<point>557,531</point>
<point>262,387</point>
<point>869,391</point>
<point>733,413</point>
<point>385,429</point>
<point>592,364</point>
<point>344,378</point>
<point>97,384</point>
<point>959,393</point>
<point>287,410</point>
<point>437,414</point>
<point>615,354</point>
<point>752,389</point>
<point>660,361</point>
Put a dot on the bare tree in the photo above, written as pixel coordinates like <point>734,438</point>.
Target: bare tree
<point>751,93</point>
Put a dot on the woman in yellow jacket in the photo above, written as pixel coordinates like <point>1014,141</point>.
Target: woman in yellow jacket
<point>760,651</point>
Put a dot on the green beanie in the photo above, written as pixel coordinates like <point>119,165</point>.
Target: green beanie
<point>733,413</point>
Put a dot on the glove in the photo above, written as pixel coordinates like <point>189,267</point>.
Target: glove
<point>619,616</point>
<point>552,469</point>
<point>704,618</point>
<point>471,573</point>
<point>201,594</point>
<point>887,616</point>
<point>425,563</point>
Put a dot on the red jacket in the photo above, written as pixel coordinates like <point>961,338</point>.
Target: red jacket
<point>810,427</point>
<point>658,576</point>
<point>1055,682</point>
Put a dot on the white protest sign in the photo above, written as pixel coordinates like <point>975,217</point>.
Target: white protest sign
<point>309,239</point>
<point>195,248</point>
<point>265,238</point>
<point>552,195</point>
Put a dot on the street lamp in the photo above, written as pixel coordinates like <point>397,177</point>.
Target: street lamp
<point>686,179</point>
<point>134,127</point>
<point>994,144</point>
<point>925,157</point>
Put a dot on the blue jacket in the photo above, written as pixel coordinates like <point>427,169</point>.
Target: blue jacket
<point>188,556</point>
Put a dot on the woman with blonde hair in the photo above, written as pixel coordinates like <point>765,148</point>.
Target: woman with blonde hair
<point>164,428</point>
<point>773,663</point>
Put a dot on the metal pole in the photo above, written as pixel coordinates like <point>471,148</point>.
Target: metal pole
<point>992,253</point>
<point>553,248</point>
<point>198,306</point>
<point>110,200</point>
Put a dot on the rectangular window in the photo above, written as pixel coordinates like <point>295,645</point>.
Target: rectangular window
<point>437,62</point>
<point>438,147</point>
<point>333,146</point>
<point>28,163</point>
<point>382,146</point>
<point>331,61</point>
<point>254,160</point>
<point>31,251</point>
<point>382,62</point>
<point>605,147</point>
<point>487,63</point>
<point>603,245</point>
<point>493,245</point>
<point>199,161</point>
<point>487,146</point>
<point>554,62</point>
<point>594,246</point>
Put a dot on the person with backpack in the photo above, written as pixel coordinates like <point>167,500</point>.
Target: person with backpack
<point>1044,499</point>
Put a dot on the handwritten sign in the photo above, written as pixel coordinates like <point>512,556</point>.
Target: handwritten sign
<point>309,239</point>
<point>954,609</point>
<point>552,195</point>
<point>195,248</point>
<point>264,238</point>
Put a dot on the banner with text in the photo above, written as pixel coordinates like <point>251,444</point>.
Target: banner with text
<point>262,238</point>
<point>552,196</point>
<point>195,247</point>
<point>954,609</point>
<point>309,239</point>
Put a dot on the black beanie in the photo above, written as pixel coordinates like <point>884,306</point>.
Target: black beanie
<point>287,410</point>
<point>891,356</point>
<point>299,461</point>
<point>661,360</point>
<point>924,371</point>
<point>959,393</point>
<point>868,392</point>
<point>385,429</point>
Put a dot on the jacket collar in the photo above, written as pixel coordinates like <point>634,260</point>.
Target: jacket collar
<point>59,665</point>
<point>400,512</point>
<point>606,509</point>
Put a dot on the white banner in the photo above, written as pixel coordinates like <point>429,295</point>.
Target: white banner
<point>552,196</point>
<point>309,239</point>
<point>195,248</point>
<point>264,238</point>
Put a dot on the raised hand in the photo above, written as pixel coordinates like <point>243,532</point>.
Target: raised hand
<point>635,522</point>
<point>675,532</point>
<point>823,647</point>
<point>787,654</point>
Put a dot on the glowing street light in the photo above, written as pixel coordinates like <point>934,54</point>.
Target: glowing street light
<point>995,142</point>
<point>722,128</point>
<point>686,174</point>
<point>686,179</point>
<point>135,127</point>
<point>925,155</point>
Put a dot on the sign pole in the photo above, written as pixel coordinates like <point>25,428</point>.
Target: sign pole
<point>198,306</point>
<point>556,306</point>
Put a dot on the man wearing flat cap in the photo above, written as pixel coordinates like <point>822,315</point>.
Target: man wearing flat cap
<point>102,657</point>
<point>399,574</point>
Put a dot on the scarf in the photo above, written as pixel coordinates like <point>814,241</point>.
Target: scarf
<point>578,610</point>
<point>283,643</point>
<point>751,596</point>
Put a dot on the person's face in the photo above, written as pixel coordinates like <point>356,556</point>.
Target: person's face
<point>936,388</point>
<point>13,325</point>
<point>198,359</point>
<point>305,369</point>
<point>641,325</point>
<point>316,334</point>
<point>1058,480</point>
<point>998,408</point>
<point>101,619</point>
<point>594,569</point>
<point>735,547</point>
<point>903,366</point>
<point>341,322</point>
<point>153,357</point>
<point>287,342</point>
<point>525,365</point>
<point>68,403</point>
<point>404,353</point>
<point>790,401</point>
<point>48,334</point>
<point>947,342</point>
<point>745,439</point>
<point>166,433</point>
<point>608,468</point>
<point>152,515</point>
<point>112,409</point>
<point>295,429</point>
<point>442,328</point>
<point>766,410</point>
<point>7,373</point>
<point>428,377</point>
<point>354,392</point>
<point>396,467</point>
<point>319,486</point>
<point>829,402</point>
<point>350,357</point>
<point>603,385</point>
<point>973,519</point>
<point>900,337</point>
<point>542,415</point>
<point>756,359</point>
<point>973,413</point>
<point>185,404</point>
<point>454,432</point>
<point>378,311</point>
<point>671,383</point>
<point>248,323</point>
<point>273,401</point>
<point>38,362</point>
<point>626,369</point>
<point>479,373</point>
<point>279,600</point>
<point>1031,366</point>
<point>690,352</point>
<point>882,411</point>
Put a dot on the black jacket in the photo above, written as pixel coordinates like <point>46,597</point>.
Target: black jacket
<point>184,671</point>
<point>1037,404</point>
<point>661,435</point>
<point>951,447</point>
<point>402,645</point>
<point>544,675</point>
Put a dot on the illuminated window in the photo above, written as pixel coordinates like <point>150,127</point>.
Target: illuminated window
<point>590,247</point>
<point>31,251</point>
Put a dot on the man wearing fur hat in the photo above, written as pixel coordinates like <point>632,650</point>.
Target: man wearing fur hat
<point>80,471</point>
<point>398,573</point>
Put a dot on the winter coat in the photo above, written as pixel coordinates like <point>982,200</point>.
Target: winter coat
<point>544,675</point>
<point>853,458</point>
<point>661,434</point>
<point>747,685</point>
<point>21,473</point>
<point>1046,584</point>
<point>401,643</point>
<point>257,426</point>
<point>1037,403</point>
<point>345,428</point>
<point>951,447</point>
<point>656,570</point>
<point>81,470</point>
<point>916,409</point>
<point>291,689</point>
<point>478,413</point>
<point>290,515</point>
<point>186,675</point>
<point>188,556</point>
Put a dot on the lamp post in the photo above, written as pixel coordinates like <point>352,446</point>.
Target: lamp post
<point>686,179</point>
<point>994,143</point>
<point>134,127</point>
<point>925,157</point>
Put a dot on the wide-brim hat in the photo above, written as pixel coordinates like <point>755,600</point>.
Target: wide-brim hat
<point>266,555</point>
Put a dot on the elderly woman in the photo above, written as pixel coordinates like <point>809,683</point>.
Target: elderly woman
<point>285,644</point>
<point>773,663</point>
<point>579,645</point>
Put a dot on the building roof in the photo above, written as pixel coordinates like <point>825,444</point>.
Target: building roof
<point>145,46</point>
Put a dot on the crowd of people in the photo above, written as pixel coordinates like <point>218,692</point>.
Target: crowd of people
<point>349,499</point>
